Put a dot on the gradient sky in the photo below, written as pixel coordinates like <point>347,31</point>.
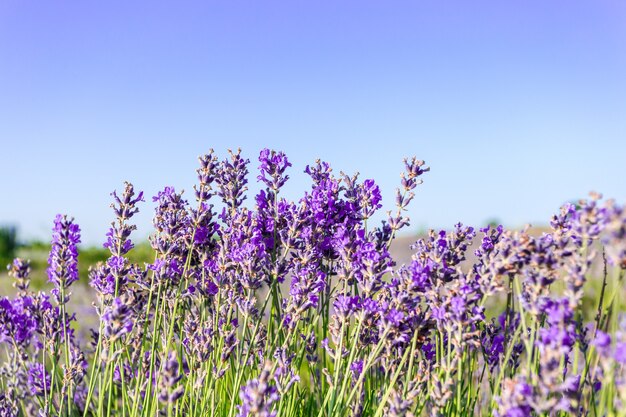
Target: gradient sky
<point>516,106</point>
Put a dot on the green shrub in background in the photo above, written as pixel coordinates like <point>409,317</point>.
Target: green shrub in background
<point>8,245</point>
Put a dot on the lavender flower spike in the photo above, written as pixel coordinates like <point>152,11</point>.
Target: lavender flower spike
<point>63,259</point>
<point>273,166</point>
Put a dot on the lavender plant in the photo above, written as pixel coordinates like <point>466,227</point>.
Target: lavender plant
<point>298,308</point>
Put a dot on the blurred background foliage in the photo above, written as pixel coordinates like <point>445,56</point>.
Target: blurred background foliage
<point>8,244</point>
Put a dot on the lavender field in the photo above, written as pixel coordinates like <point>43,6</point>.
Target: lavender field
<point>268,307</point>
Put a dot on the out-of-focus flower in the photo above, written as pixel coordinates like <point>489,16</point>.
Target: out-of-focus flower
<point>19,269</point>
<point>259,395</point>
<point>168,379</point>
<point>118,319</point>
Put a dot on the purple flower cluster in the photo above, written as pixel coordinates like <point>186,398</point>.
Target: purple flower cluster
<point>18,323</point>
<point>297,307</point>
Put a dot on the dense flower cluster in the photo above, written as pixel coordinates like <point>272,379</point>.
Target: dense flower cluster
<point>276,307</point>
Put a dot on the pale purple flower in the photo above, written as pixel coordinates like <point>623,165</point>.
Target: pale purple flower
<point>20,269</point>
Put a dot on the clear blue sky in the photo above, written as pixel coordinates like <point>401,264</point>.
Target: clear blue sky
<point>516,106</point>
